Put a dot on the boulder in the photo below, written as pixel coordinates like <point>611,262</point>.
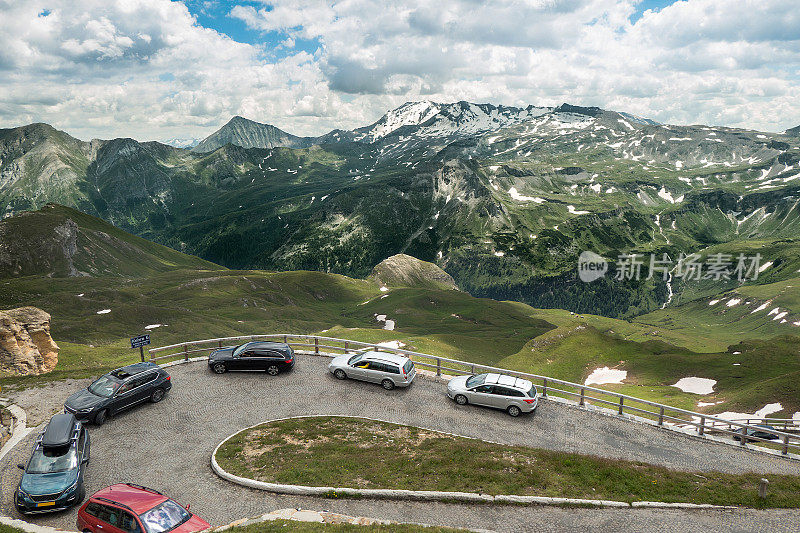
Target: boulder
<point>25,343</point>
<point>404,270</point>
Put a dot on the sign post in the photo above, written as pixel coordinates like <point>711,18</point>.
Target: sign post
<point>140,341</point>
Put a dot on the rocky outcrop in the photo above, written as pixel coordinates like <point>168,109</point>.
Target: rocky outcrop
<point>404,270</point>
<point>25,343</point>
<point>793,131</point>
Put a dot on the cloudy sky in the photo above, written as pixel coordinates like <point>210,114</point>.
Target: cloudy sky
<point>156,69</point>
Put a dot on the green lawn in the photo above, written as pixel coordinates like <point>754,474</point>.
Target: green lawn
<point>352,452</point>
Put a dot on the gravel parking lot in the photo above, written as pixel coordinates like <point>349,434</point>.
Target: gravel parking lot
<point>168,446</point>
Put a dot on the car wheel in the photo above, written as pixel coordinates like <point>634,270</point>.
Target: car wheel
<point>388,384</point>
<point>219,368</point>
<point>461,399</point>
<point>513,410</point>
<point>339,374</point>
<point>157,395</point>
<point>100,417</point>
<point>273,370</point>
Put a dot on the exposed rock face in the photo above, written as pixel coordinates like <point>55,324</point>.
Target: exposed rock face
<point>25,343</point>
<point>402,269</point>
<point>793,131</point>
<point>249,134</point>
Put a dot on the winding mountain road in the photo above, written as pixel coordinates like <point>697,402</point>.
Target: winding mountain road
<point>168,446</point>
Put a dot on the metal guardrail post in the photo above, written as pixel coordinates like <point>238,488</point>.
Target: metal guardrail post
<point>661,417</point>
<point>316,346</point>
<point>785,450</point>
<point>583,393</point>
<point>702,427</point>
<point>473,368</point>
<point>544,389</point>
<point>346,347</point>
<point>185,352</point>
<point>438,367</point>
<point>220,344</point>
<point>620,404</point>
<point>285,340</point>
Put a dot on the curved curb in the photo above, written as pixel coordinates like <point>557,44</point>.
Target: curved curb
<point>426,495</point>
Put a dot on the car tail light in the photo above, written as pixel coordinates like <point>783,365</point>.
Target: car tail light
<point>530,401</point>
<point>169,378</point>
<point>289,360</point>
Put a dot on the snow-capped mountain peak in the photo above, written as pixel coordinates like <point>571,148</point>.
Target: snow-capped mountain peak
<point>432,119</point>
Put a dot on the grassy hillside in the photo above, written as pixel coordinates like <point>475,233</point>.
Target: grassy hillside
<point>60,241</point>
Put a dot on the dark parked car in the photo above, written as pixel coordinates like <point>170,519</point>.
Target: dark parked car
<point>53,478</point>
<point>129,508</point>
<point>272,357</point>
<point>118,390</point>
<point>758,434</point>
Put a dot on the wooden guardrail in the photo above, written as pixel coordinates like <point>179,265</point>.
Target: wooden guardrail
<point>659,414</point>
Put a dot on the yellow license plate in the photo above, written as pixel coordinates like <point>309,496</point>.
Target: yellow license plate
<point>45,504</point>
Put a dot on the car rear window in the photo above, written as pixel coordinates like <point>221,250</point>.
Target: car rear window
<point>532,392</point>
<point>409,366</point>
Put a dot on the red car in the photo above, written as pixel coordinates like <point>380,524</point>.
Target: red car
<point>129,508</point>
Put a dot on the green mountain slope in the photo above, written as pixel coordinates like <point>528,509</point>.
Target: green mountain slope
<point>58,241</point>
<point>503,199</point>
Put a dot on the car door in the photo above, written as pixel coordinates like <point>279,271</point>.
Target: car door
<point>359,370</point>
<point>501,397</point>
<point>272,357</point>
<point>481,395</point>
<point>106,518</point>
<point>132,392</point>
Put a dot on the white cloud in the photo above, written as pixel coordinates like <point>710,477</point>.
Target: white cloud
<point>147,69</point>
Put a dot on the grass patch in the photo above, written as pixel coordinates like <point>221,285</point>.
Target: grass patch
<point>357,453</point>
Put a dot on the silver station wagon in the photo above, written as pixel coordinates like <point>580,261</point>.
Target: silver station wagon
<point>512,395</point>
<point>388,369</point>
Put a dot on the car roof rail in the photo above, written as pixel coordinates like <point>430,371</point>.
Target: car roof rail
<point>109,500</point>
<point>142,487</point>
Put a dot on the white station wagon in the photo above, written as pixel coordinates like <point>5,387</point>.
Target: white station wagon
<point>388,369</point>
<point>512,395</point>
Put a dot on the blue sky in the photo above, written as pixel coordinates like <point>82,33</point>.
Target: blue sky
<point>156,69</point>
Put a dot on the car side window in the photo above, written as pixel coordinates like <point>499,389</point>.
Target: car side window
<point>109,515</point>
<point>249,353</point>
<point>486,389</point>
<point>362,364</point>
<point>93,509</point>
<point>392,369</point>
<point>274,355</point>
<point>126,387</point>
<point>128,523</point>
<point>375,365</point>
<point>82,440</point>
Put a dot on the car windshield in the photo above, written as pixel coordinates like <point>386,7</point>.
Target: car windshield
<point>51,460</point>
<point>164,517</point>
<point>355,359</point>
<point>104,387</point>
<point>474,381</point>
<point>239,350</point>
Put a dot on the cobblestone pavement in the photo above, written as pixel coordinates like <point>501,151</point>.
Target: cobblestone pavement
<point>168,447</point>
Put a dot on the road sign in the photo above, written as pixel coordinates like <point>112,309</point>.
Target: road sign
<point>139,341</point>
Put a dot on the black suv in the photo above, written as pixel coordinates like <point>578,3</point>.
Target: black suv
<point>118,390</point>
<point>273,357</point>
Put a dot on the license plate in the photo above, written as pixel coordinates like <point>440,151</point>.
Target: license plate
<point>45,504</point>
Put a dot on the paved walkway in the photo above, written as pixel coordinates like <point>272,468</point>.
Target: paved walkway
<point>168,446</point>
